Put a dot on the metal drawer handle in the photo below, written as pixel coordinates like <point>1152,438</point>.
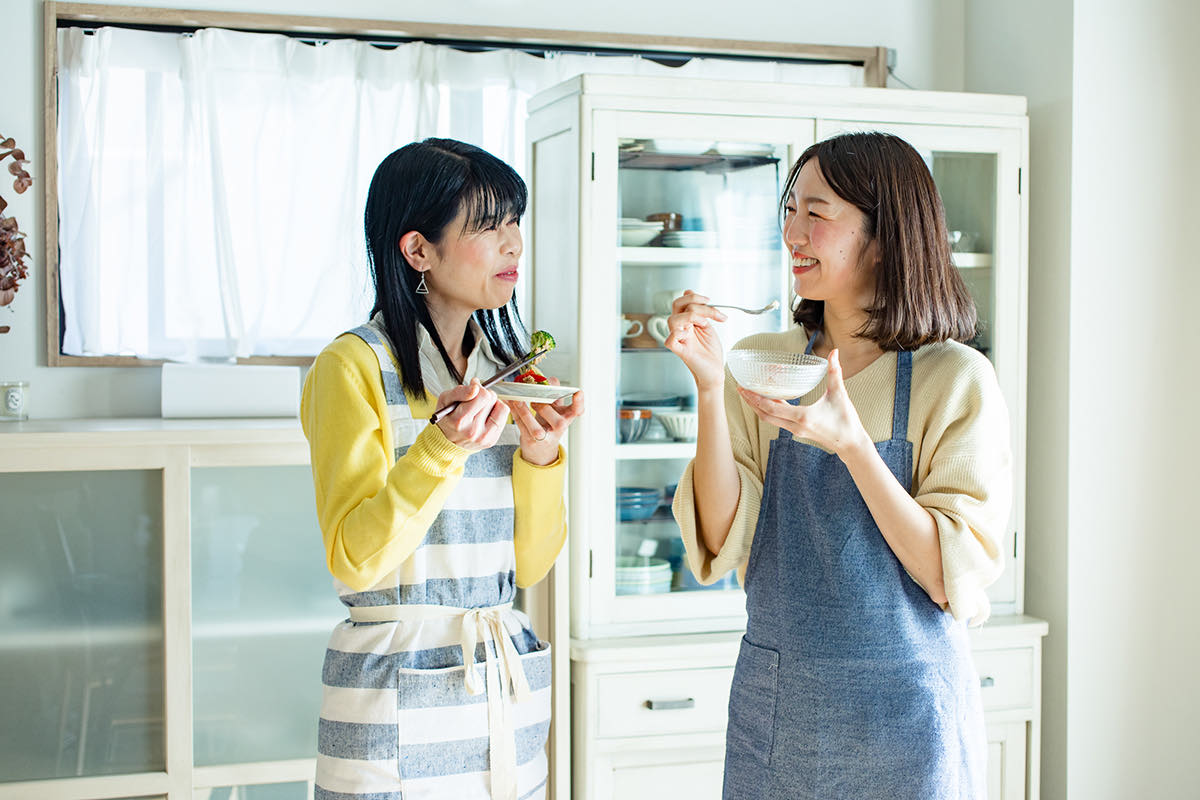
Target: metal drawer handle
<point>987,681</point>
<point>667,705</point>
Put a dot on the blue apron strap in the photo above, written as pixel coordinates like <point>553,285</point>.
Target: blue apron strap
<point>903,387</point>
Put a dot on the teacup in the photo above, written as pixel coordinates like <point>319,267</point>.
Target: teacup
<point>653,331</point>
<point>658,329</point>
<point>629,327</point>
<point>664,300</point>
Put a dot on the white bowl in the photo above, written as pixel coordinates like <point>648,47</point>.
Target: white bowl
<point>774,374</point>
<point>638,237</point>
<point>680,425</point>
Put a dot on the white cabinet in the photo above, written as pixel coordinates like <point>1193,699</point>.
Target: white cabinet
<point>164,609</point>
<point>651,711</point>
<point>649,718</point>
<point>609,156</point>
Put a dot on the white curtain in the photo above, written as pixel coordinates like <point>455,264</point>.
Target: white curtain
<point>211,186</point>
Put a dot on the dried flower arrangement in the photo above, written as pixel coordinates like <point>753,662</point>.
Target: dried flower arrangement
<point>13,268</point>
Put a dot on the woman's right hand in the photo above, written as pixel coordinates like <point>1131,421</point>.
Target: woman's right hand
<point>478,420</point>
<point>693,338</point>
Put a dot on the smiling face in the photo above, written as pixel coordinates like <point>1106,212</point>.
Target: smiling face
<point>832,256</point>
<point>473,269</point>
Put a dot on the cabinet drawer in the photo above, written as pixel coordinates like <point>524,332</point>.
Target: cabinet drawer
<point>1006,678</point>
<point>674,701</point>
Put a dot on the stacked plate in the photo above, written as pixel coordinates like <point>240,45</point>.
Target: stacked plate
<point>638,232</point>
<point>638,575</point>
<point>689,239</point>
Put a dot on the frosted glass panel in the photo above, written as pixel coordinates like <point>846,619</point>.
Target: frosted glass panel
<point>967,184</point>
<point>263,605</point>
<point>81,624</point>
<point>270,791</point>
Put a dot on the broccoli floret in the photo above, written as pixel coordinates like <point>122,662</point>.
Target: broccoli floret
<point>541,342</point>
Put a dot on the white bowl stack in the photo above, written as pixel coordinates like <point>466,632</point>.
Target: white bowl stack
<point>638,232</point>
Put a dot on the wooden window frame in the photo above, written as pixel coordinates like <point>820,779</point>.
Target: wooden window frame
<point>872,59</point>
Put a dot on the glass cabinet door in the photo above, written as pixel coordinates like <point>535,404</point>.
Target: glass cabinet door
<point>977,172</point>
<point>683,202</point>
<point>263,605</point>
<point>81,630</point>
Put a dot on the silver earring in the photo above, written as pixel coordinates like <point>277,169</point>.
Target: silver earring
<point>421,287</point>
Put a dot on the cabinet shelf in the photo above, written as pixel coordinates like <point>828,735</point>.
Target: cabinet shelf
<point>79,637</point>
<point>264,627</point>
<point>684,256</point>
<point>972,260</point>
<point>655,450</point>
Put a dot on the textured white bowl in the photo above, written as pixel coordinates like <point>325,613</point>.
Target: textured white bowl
<point>778,375</point>
<point>680,425</point>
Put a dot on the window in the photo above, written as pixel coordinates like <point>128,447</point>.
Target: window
<point>211,182</point>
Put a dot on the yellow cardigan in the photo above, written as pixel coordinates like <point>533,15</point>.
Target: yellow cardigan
<point>373,510</point>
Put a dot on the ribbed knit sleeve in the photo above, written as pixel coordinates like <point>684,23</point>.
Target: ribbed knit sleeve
<point>750,458</point>
<point>372,515</point>
<point>751,442</point>
<point>539,516</point>
<point>964,472</point>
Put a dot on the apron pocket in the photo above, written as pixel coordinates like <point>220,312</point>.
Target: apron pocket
<point>752,697</point>
<point>441,729</point>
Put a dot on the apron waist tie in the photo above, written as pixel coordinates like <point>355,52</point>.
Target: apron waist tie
<point>503,675</point>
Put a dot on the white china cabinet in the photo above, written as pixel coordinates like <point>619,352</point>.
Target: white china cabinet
<point>642,188</point>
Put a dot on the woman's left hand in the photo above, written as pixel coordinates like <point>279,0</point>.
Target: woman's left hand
<point>543,425</point>
<point>832,422</point>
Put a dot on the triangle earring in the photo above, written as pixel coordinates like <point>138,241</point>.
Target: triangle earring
<point>421,287</point>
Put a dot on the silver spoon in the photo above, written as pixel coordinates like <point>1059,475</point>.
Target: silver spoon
<point>771,306</point>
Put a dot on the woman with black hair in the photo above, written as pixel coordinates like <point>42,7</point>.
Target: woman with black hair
<point>435,686</point>
<point>866,518</point>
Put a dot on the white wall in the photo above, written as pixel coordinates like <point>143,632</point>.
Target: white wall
<point>1135,276</point>
<point>926,34</point>
<point>1114,110</point>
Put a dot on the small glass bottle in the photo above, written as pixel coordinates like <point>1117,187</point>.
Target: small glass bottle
<point>14,401</point>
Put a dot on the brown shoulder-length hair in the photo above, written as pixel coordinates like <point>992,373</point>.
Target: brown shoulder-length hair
<point>920,297</point>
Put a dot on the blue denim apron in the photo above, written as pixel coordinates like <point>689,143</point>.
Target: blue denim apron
<point>850,681</point>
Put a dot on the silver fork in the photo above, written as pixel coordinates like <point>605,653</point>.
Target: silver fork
<point>771,306</point>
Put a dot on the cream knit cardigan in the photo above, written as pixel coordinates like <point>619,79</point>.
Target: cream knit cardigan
<point>962,462</point>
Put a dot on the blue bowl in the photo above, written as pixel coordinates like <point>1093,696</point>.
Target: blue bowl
<point>631,512</point>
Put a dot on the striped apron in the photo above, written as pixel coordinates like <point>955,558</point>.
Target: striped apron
<point>435,687</point>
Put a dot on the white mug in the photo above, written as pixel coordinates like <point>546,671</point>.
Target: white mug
<point>658,328</point>
<point>628,327</point>
<point>664,300</point>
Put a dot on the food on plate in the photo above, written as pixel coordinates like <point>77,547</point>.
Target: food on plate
<point>531,374</point>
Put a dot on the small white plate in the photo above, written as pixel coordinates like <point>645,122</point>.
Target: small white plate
<point>532,392</point>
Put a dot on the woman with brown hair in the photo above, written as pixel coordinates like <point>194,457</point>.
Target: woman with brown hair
<point>865,518</point>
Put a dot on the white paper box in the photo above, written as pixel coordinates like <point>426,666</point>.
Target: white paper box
<point>229,390</point>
